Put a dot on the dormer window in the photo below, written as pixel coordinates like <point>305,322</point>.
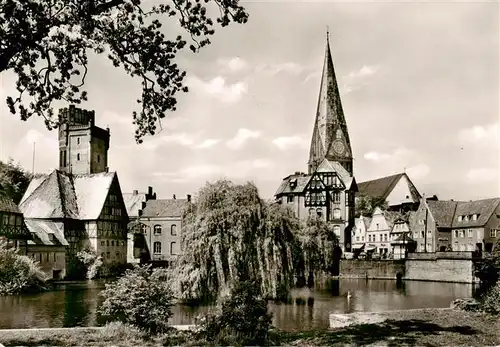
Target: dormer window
<point>293,183</point>
<point>474,216</point>
<point>465,218</point>
<point>460,218</point>
<point>289,198</point>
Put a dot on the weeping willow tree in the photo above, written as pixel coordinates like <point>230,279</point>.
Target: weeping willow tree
<point>230,234</point>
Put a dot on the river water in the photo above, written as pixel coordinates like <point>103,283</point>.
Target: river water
<point>75,304</point>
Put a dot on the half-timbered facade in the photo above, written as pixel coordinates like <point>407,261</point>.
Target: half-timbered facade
<point>328,189</point>
<point>13,231</point>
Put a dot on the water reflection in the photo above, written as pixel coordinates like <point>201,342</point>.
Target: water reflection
<point>75,304</point>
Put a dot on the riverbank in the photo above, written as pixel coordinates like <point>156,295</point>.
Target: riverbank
<point>432,327</point>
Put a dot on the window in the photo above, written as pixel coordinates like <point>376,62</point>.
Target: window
<point>377,226</point>
<point>415,234</point>
<point>144,229</point>
<point>157,247</point>
<point>172,247</point>
<point>357,238</point>
<point>462,233</point>
<point>362,238</point>
<point>336,213</point>
<point>493,233</point>
<point>77,140</point>
<point>336,230</point>
<point>107,243</point>
<point>456,233</point>
<point>102,243</point>
<point>157,229</point>
<point>469,232</point>
<point>78,156</point>
<point>112,243</point>
<point>289,198</point>
<point>173,230</point>
<point>422,234</point>
<point>474,217</point>
<point>460,218</point>
<point>336,197</point>
<point>117,255</point>
<point>339,134</point>
<point>311,212</point>
<point>108,255</point>
<point>98,158</point>
<point>319,212</point>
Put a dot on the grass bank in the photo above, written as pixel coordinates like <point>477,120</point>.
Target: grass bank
<point>402,328</point>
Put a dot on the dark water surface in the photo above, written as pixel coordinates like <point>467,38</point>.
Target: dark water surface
<point>75,304</point>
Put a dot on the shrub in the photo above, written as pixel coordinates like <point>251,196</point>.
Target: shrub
<point>91,261</point>
<point>141,298</point>
<point>19,273</point>
<point>491,300</point>
<point>241,318</point>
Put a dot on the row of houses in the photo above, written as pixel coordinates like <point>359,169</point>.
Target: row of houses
<point>435,226</point>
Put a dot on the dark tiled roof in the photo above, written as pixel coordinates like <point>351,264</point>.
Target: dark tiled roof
<point>403,239</point>
<point>392,216</point>
<point>7,205</point>
<point>484,208</point>
<point>382,187</point>
<point>442,212</point>
<point>61,195</point>
<point>133,203</point>
<point>286,188</point>
<point>164,208</point>
<point>47,232</point>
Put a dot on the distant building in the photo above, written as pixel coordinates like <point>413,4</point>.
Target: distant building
<point>398,190</point>
<point>13,231</point>
<point>135,202</point>
<point>401,240</point>
<point>359,237</point>
<point>81,204</point>
<point>456,225</point>
<point>161,224</point>
<point>328,189</point>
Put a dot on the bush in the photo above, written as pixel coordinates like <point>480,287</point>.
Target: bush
<point>141,298</point>
<point>241,318</point>
<point>491,300</point>
<point>19,273</point>
<point>91,261</point>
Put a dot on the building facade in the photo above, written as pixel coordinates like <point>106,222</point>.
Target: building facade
<point>401,240</point>
<point>161,225</point>
<point>81,203</point>
<point>328,189</point>
<point>13,231</point>
<point>397,190</point>
<point>359,237</point>
<point>135,202</point>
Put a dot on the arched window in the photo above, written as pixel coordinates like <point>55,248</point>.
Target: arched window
<point>107,243</point>
<point>78,156</point>
<point>144,228</point>
<point>112,243</point>
<point>172,247</point>
<point>339,133</point>
<point>311,212</point>
<point>336,213</point>
<point>173,230</point>
<point>157,247</point>
<point>157,229</point>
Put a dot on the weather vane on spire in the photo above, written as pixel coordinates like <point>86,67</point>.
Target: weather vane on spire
<point>327,32</point>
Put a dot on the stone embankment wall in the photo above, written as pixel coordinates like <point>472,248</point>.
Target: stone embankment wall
<point>372,269</point>
<point>441,266</point>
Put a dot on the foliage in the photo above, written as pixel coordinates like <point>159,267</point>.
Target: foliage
<point>46,44</point>
<point>230,234</point>
<point>488,268</point>
<point>366,205</point>
<point>91,261</point>
<point>14,180</point>
<point>141,297</point>
<point>490,302</point>
<point>241,318</point>
<point>19,273</point>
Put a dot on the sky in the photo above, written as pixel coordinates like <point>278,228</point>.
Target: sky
<point>419,84</point>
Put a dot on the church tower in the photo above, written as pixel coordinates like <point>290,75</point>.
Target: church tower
<point>83,147</point>
<point>330,139</point>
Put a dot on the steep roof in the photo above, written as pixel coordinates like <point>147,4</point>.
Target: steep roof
<point>382,187</point>
<point>164,208</point>
<point>7,205</point>
<point>392,217</point>
<point>442,212</point>
<point>484,208</point>
<point>133,203</point>
<point>46,232</point>
<point>329,166</point>
<point>61,195</point>
<point>301,180</point>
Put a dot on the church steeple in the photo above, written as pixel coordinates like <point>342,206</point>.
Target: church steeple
<point>330,139</point>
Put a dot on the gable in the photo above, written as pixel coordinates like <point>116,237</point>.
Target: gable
<point>378,217</point>
<point>380,187</point>
<point>92,191</point>
<point>333,166</point>
<point>113,206</point>
<point>315,183</point>
<point>400,193</point>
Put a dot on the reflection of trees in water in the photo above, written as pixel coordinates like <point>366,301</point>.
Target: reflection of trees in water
<point>75,308</point>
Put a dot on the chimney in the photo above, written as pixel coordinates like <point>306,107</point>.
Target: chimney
<point>135,192</point>
<point>174,197</point>
<point>150,191</point>
<point>139,213</point>
<point>143,205</point>
<point>106,169</point>
<point>189,197</point>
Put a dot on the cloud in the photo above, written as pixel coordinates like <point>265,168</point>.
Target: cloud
<point>287,142</point>
<point>481,175</point>
<point>208,143</point>
<point>217,87</point>
<point>357,79</point>
<point>482,136</point>
<point>418,171</point>
<point>233,64</point>
<point>380,156</point>
<point>289,67</point>
<point>241,137</point>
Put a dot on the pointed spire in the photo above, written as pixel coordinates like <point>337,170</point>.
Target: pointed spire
<point>330,138</point>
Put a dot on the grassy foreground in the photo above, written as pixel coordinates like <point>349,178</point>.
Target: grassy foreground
<point>403,328</point>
